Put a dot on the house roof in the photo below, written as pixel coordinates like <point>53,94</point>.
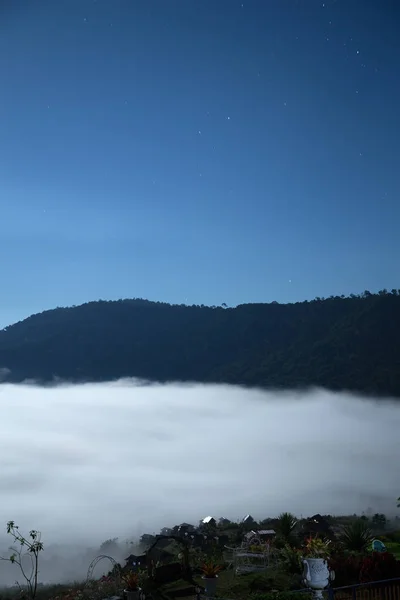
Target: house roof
<point>207,520</point>
<point>318,519</point>
<point>248,518</point>
<point>135,557</point>
<point>253,533</point>
<point>266,532</point>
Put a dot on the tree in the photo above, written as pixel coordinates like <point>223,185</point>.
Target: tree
<point>379,520</point>
<point>285,527</point>
<point>356,536</point>
<point>30,546</point>
<point>330,344</point>
<point>109,547</point>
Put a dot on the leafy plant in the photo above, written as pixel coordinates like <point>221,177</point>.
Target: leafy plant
<point>378,566</point>
<point>291,559</point>
<point>143,577</point>
<point>346,568</point>
<point>257,548</point>
<point>285,526</point>
<point>27,546</point>
<point>97,589</point>
<point>317,548</point>
<point>131,581</point>
<point>210,570</point>
<point>357,536</point>
<point>276,595</point>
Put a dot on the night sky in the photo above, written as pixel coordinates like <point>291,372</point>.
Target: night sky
<point>197,151</point>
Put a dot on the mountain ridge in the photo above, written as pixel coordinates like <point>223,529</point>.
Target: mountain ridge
<point>341,343</point>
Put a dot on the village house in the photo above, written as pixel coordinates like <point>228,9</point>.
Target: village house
<point>264,535</point>
<point>208,522</point>
<point>317,526</point>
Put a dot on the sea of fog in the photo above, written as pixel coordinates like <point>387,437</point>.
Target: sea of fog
<point>85,463</point>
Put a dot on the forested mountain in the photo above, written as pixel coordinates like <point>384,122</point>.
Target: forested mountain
<point>339,343</point>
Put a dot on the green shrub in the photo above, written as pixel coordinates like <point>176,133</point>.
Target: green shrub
<point>346,567</point>
<point>285,527</point>
<point>291,560</point>
<point>379,566</point>
<point>356,536</point>
<point>306,595</point>
<point>257,583</point>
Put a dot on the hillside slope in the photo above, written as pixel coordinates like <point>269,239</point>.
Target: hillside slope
<point>340,343</point>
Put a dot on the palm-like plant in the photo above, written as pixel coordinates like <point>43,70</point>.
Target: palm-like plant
<point>211,569</point>
<point>356,536</point>
<point>285,526</point>
<point>131,581</point>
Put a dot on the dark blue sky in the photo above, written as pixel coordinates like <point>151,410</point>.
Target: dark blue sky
<point>197,151</point>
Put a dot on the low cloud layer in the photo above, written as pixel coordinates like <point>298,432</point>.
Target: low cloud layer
<point>89,462</point>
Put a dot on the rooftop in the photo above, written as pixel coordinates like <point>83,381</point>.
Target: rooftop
<point>207,520</point>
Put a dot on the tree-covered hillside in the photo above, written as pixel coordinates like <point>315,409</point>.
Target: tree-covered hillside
<point>339,343</point>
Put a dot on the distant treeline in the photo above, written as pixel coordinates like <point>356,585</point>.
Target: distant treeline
<point>341,343</point>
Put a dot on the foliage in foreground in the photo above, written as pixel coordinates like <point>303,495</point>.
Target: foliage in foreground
<point>281,596</point>
<point>29,547</point>
<point>350,557</point>
<point>379,566</point>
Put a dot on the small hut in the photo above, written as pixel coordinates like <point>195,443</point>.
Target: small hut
<point>135,562</point>
<point>317,525</point>
<point>210,521</point>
